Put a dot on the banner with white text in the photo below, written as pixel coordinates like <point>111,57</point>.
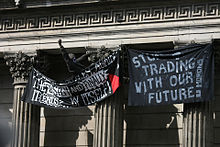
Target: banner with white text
<point>183,75</point>
<point>94,84</point>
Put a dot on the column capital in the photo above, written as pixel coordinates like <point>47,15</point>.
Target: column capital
<point>20,65</point>
<point>98,53</point>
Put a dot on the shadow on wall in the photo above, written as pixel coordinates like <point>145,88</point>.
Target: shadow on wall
<point>5,134</point>
<point>63,127</point>
<point>150,126</point>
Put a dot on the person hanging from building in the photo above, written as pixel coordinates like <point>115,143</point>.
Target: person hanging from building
<point>73,63</point>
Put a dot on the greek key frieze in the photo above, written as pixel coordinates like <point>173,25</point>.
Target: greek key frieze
<point>170,12</point>
<point>213,9</point>
<point>110,17</point>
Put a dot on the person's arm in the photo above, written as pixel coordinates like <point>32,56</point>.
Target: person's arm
<point>72,65</point>
<point>84,56</point>
<point>64,53</point>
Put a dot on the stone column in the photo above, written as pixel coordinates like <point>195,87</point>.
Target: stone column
<point>197,129</point>
<point>26,117</point>
<point>108,121</point>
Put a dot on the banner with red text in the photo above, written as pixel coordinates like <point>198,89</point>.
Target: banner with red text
<point>95,83</point>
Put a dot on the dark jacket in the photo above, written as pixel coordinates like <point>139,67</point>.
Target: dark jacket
<point>72,64</point>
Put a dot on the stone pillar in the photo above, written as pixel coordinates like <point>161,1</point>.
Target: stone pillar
<point>197,129</point>
<point>198,124</point>
<point>26,117</point>
<point>108,121</point>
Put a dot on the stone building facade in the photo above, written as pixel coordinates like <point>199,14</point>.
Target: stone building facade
<point>34,28</point>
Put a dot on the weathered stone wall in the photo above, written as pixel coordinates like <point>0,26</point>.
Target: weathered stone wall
<point>67,127</point>
<point>153,126</point>
<point>6,98</point>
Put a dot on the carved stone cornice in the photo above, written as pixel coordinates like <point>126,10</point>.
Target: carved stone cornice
<point>108,17</point>
<point>20,65</point>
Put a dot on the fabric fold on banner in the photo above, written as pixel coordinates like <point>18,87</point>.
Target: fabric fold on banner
<point>183,75</point>
<point>95,83</point>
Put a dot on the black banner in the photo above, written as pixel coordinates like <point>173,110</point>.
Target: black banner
<point>183,75</point>
<point>94,84</point>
